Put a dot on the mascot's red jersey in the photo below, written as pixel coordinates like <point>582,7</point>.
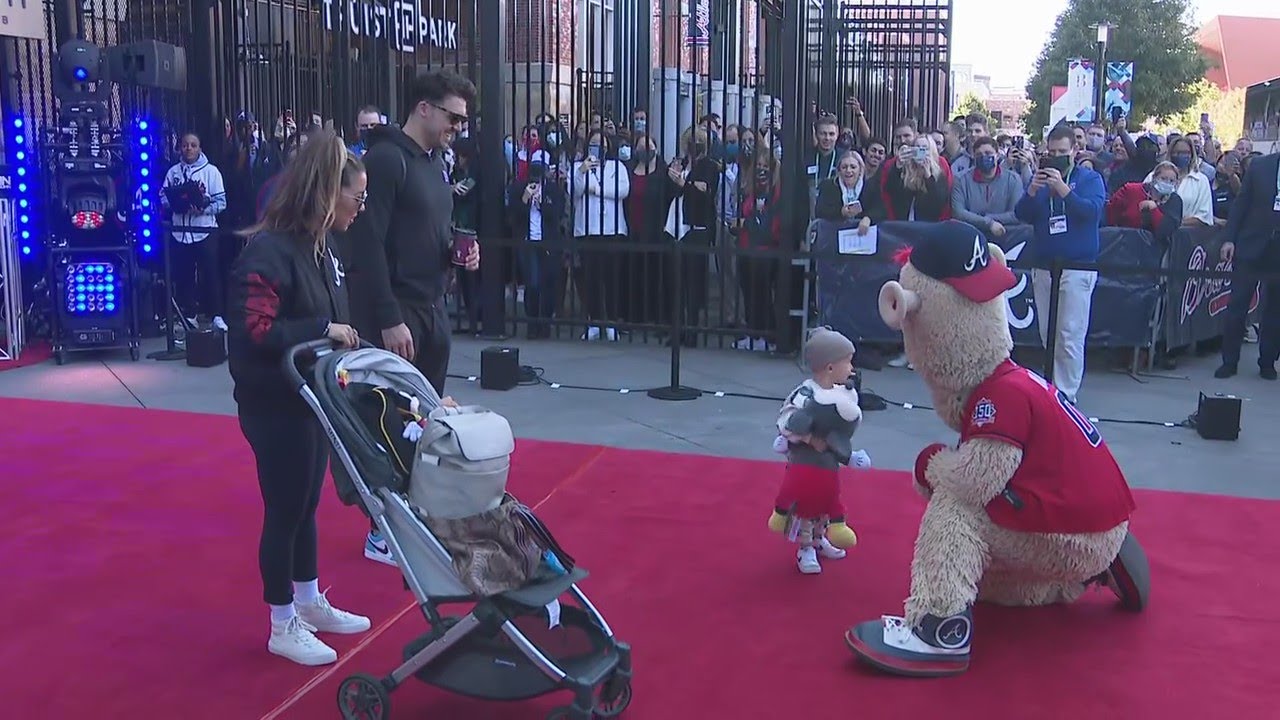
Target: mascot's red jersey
<point>1068,481</point>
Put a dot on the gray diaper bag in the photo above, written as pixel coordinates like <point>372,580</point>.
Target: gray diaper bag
<point>462,461</point>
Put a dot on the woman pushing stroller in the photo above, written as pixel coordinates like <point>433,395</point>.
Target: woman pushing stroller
<point>287,287</point>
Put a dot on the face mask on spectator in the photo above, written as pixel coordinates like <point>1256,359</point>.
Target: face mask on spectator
<point>641,125</point>
<point>624,153</point>
<point>1163,187</point>
<point>1182,160</point>
<point>777,151</point>
<point>509,149</point>
<point>1093,143</point>
<point>553,139</point>
<point>731,150</point>
<point>1061,163</point>
<point>986,163</point>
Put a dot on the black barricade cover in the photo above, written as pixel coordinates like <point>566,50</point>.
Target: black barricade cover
<point>1123,306</point>
<point>1195,307</point>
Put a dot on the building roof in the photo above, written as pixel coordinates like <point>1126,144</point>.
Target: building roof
<point>1240,49</point>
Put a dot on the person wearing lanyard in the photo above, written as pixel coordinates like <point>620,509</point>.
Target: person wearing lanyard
<point>1064,204</point>
<point>1253,248</point>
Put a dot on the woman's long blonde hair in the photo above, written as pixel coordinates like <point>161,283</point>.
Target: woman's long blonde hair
<point>915,176</point>
<point>305,202</point>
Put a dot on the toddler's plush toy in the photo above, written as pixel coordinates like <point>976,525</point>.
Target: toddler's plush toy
<point>817,421</point>
<point>1030,508</point>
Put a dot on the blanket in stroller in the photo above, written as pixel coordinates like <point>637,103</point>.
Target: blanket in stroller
<point>500,550</point>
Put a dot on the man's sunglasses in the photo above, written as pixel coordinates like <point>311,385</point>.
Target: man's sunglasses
<point>454,117</point>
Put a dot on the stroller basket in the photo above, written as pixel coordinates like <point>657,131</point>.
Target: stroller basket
<point>488,664</point>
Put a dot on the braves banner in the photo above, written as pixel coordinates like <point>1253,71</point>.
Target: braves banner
<point>1124,307</point>
<point>699,22</point>
<point>1195,306</point>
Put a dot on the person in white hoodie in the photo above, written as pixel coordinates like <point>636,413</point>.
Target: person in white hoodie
<point>194,193</point>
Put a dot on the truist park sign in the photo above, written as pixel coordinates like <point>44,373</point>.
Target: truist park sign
<point>401,22</point>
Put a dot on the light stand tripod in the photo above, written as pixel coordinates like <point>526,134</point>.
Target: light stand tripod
<point>173,313</point>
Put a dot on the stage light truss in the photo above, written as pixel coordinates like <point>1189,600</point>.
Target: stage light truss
<point>148,181</point>
<point>19,238</point>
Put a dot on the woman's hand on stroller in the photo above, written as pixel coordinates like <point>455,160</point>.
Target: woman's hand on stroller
<point>344,335</point>
<point>448,401</point>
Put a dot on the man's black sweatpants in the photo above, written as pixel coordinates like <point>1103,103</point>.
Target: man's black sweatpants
<point>432,341</point>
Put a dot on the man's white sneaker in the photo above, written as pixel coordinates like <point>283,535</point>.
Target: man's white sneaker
<point>326,618</point>
<point>807,561</point>
<point>296,640</point>
<point>830,551</point>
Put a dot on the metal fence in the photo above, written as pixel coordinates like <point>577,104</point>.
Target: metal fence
<point>724,84</point>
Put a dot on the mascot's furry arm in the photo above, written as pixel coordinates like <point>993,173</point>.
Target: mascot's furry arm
<point>975,472</point>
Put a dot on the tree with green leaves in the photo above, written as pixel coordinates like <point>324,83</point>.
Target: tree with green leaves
<point>1225,110</point>
<point>971,104</point>
<point>1157,36</point>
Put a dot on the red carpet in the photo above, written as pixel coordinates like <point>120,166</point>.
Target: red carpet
<point>36,352</point>
<point>128,538</point>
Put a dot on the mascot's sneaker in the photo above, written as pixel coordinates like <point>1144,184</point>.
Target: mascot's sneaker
<point>807,561</point>
<point>778,522</point>
<point>1129,576</point>
<point>938,647</point>
<point>841,535</point>
<point>829,551</point>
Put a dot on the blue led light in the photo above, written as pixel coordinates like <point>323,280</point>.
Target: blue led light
<point>22,203</point>
<point>26,235</point>
<point>25,219</point>
<point>81,74</point>
<point>142,125</point>
<point>21,155</point>
<point>17,122</point>
<point>22,187</point>
<point>19,140</point>
<point>22,172</point>
<point>91,288</point>
<point>144,157</point>
<point>146,232</point>
<point>145,172</point>
<point>146,187</point>
<point>26,250</point>
<point>146,202</point>
<point>143,141</point>
<point>146,218</point>
<point>146,248</point>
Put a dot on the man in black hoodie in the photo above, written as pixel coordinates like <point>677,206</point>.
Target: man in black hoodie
<point>398,250</point>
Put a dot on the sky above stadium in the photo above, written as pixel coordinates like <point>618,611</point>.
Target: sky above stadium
<point>994,43</point>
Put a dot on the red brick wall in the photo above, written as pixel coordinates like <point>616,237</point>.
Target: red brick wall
<point>669,31</point>
<point>541,31</point>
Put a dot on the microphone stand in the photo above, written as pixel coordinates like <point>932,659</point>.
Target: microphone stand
<point>173,313</point>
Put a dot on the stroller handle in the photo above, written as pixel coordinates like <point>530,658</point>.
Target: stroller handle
<point>307,350</point>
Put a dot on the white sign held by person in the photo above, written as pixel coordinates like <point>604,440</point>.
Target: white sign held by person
<point>401,22</point>
<point>22,18</point>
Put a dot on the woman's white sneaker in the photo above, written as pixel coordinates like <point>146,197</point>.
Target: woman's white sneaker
<point>295,640</point>
<point>324,617</point>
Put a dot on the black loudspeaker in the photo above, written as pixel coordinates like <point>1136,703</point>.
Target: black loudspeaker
<point>206,347</point>
<point>149,63</point>
<point>1218,417</point>
<point>499,368</point>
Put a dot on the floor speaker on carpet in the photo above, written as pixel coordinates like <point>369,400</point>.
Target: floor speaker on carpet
<point>1218,417</point>
<point>206,347</point>
<point>499,368</point>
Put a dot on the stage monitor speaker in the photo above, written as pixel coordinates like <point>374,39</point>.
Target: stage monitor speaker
<point>206,347</point>
<point>1218,417</point>
<point>149,63</point>
<point>499,368</point>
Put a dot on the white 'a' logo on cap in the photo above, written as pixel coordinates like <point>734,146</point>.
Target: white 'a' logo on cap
<point>979,255</point>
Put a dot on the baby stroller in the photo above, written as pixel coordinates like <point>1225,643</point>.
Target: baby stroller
<point>512,645</point>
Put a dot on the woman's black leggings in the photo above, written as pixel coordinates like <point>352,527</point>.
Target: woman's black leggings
<point>292,455</point>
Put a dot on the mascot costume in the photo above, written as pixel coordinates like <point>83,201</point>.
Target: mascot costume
<point>1030,508</point>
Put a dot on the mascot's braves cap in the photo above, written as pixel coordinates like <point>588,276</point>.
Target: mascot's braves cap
<point>824,347</point>
<point>957,254</point>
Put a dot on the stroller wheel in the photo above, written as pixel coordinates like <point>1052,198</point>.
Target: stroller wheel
<point>613,701</point>
<point>364,697</point>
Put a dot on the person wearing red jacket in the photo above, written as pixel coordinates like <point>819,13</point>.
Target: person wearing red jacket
<point>1153,206</point>
<point>915,184</point>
